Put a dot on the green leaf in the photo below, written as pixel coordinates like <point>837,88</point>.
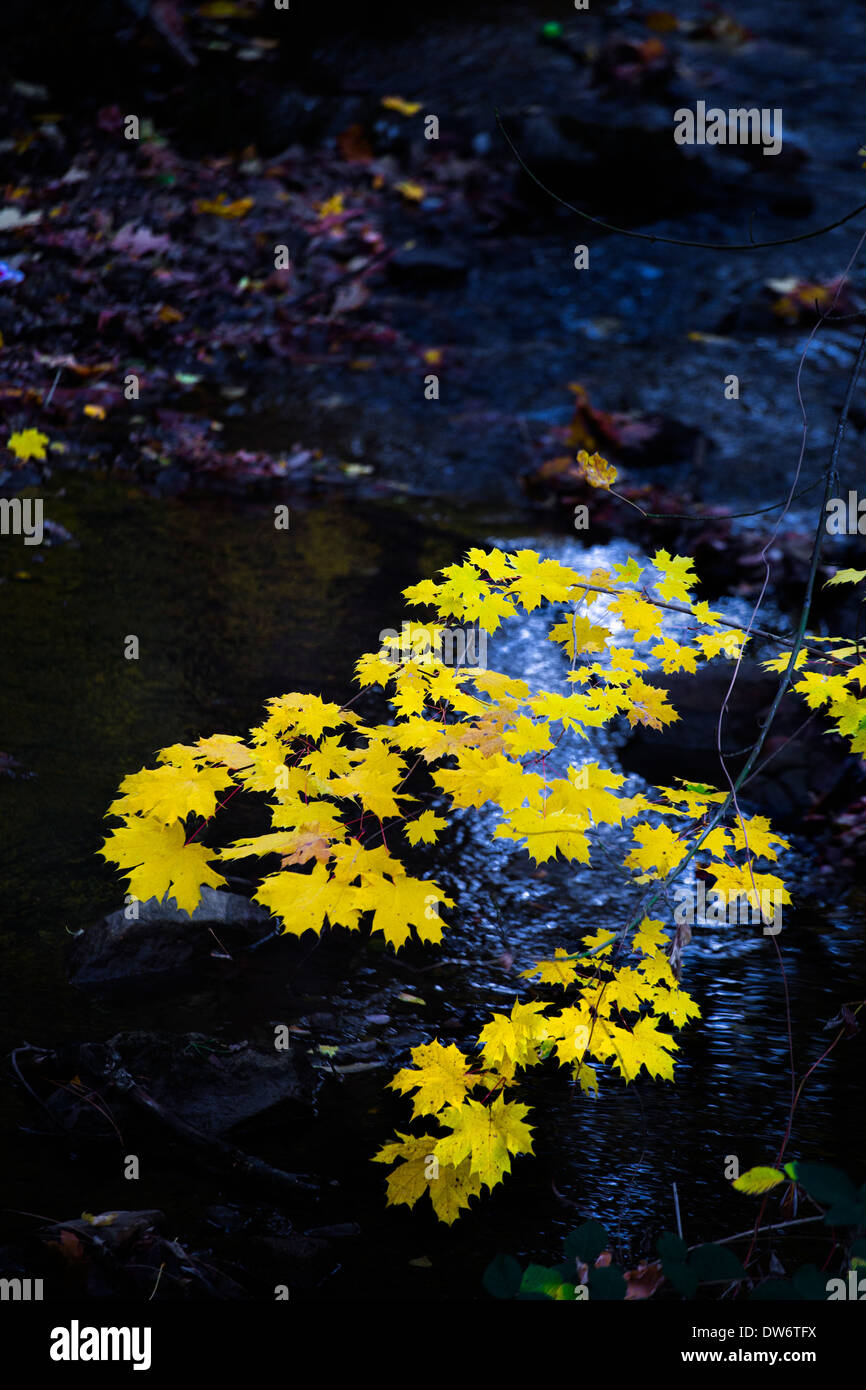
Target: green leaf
<point>684,1280</point>
<point>846,1214</point>
<point>824,1183</point>
<point>540,1279</point>
<point>807,1285</point>
<point>775,1290</point>
<point>587,1242</point>
<point>670,1247</point>
<point>712,1262</point>
<point>811,1283</point>
<point>607,1284</point>
<point>502,1277</point>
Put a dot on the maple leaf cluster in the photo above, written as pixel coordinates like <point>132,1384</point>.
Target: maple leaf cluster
<point>336,794</point>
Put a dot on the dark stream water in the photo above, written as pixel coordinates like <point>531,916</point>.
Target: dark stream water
<point>229,612</point>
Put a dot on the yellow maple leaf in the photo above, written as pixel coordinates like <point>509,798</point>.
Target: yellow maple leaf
<point>729,644</point>
<point>27,444</point>
<point>222,207</point>
<point>649,704</point>
<point>298,845</point>
<point>755,1181</point>
<point>676,1005</point>
<point>645,1046</point>
<point>223,748</point>
<point>559,971</point>
<point>596,470</point>
<point>424,828</point>
<point>451,1187</point>
<point>373,669</point>
<point>659,851</point>
<point>173,791</point>
<point>301,714</point>
<point>409,1180</point>
<point>745,887</point>
<point>156,861</point>
<point>673,657</point>
<point>538,579</point>
<point>494,562</point>
<point>679,575</point>
<point>570,1030</point>
<point>528,736</point>
<point>641,617</point>
<point>761,839</point>
<point>412,192</point>
<point>848,576</point>
<point>547,835</point>
<point>486,1135</point>
<point>409,902</point>
<point>374,779</point>
<point>405,108</point>
<point>303,901</point>
<point>817,688</point>
<point>510,1042</point>
<point>439,1076</point>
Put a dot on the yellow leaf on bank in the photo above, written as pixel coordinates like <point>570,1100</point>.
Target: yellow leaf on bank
<point>405,108</point>
<point>27,444</point>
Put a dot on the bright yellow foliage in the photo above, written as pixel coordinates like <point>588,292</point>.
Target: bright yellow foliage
<point>340,814</point>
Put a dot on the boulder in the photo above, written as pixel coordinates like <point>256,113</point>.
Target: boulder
<point>202,1081</point>
<point>161,944</point>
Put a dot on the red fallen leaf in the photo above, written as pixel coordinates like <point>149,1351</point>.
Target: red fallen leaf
<point>354,146</point>
<point>632,60</point>
<point>643,1281</point>
<point>70,1247</point>
<point>662,21</point>
<point>602,1262</point>
<point>552,468</point>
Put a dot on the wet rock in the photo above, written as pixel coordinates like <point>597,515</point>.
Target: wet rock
<point>231,1220</point>
<point>305,1259</point>
<point>343,1231</point>
<point>207,1084</point>
<point>111,1229</point>
<point>803,773</point>
<point>427,265</point>
<point>121,1254</point>
<point>161,945</point>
